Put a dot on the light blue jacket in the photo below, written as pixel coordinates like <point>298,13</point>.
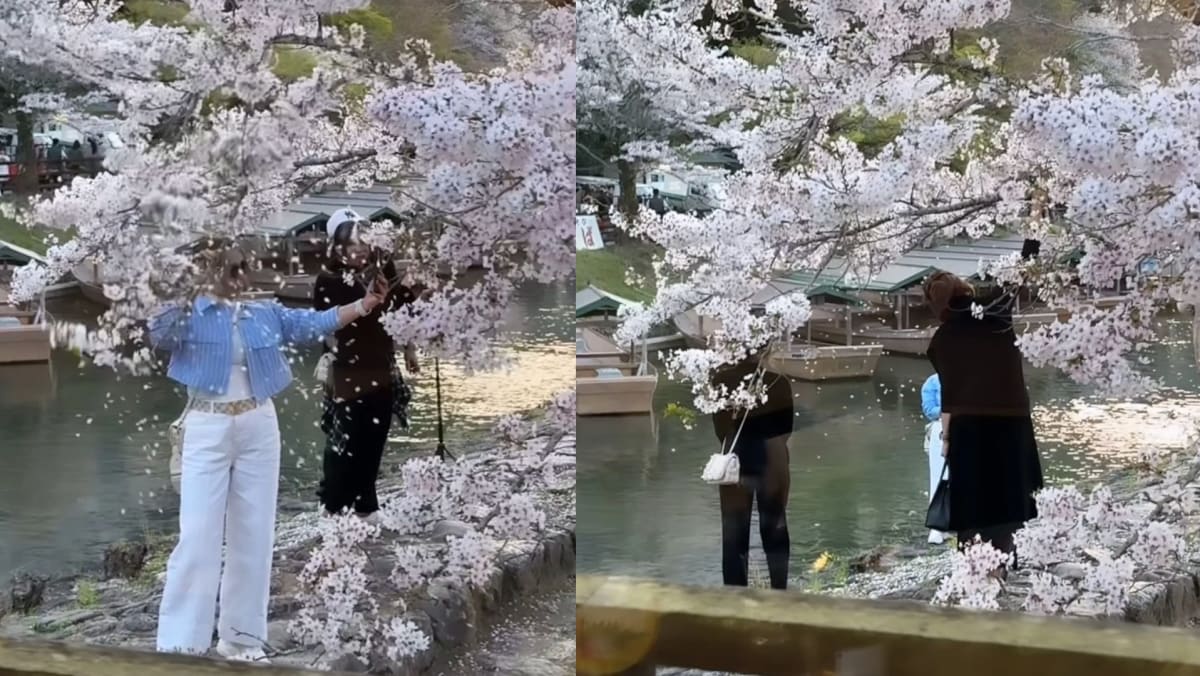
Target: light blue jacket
<point>931,398</point>
<point>200,340</point>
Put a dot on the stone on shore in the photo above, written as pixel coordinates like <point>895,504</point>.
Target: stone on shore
<point>125,560</point>
<point>1159,598</point>
<point>26,592</point>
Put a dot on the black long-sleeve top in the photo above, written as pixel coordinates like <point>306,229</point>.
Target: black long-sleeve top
<point>978,362</point>
<point>770,419</point>
<point>365,353</point>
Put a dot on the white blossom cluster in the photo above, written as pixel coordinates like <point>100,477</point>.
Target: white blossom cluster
<point>1096,546</point>
<point>471,558</point>
<point>403,638</point>
<point>335,578</point>
<point>483,501</point>
<point>495,158</point>
<point>560,412</point>
<point>972,582</point>
<point>519,517</point>
<point>511,429</point>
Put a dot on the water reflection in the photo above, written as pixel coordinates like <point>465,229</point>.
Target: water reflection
<point>859,471</point>
<point>86,460</point>
<point>26,385</point>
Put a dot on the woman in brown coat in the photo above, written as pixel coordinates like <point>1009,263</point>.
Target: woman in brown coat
<point>988,438</point>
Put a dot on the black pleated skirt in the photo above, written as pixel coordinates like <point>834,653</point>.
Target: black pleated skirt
<point>994,471</point>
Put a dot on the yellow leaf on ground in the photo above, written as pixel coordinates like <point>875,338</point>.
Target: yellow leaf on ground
<point>822,562</point>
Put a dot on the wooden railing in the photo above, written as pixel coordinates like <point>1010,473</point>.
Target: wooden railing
<point>627,626</point>
<point>46,658</point>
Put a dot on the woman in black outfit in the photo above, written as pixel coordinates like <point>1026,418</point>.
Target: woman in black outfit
<point>364,389</point>
<point>762,450</point>
<point>988,438</point>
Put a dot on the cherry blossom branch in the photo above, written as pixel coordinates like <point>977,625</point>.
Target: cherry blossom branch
<point>336,159</point>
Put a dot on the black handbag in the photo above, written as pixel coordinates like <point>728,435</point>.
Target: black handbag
<point>938,516</point>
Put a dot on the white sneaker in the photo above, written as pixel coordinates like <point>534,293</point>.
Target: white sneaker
<point>936,537</point>
<point>241,653</point>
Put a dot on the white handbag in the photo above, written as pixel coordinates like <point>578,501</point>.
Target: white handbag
<point>724,468</point>
<point>175,434</point>
<point>325,363</point>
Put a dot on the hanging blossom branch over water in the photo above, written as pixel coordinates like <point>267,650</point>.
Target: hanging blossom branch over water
<point>218,144</point>
<point>497,157</point>
<point>492,501</point>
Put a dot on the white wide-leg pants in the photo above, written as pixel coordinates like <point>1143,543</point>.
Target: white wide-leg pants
<point>933,448</point>
<point>227,496</point>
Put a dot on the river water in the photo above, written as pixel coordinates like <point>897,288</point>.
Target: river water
<point>84,457</point>
<point>859,472</point>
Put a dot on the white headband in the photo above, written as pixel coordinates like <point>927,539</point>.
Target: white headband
<point>338,218</point>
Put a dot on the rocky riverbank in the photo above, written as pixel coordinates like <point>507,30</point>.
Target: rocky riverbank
<point>1157,596</point>
<point>118,605</point>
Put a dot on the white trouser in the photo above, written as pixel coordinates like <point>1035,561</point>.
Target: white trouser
<point>227,496</point>
<point>933,448</point>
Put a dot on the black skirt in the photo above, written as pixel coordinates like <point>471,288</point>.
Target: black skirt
<point>994,471</point>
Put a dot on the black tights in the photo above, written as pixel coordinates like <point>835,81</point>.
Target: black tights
<point>771,491</point>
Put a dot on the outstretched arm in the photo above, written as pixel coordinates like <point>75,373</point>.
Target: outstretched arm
<point>309,326</point>
<point>166,328</point>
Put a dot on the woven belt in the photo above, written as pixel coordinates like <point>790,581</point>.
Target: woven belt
<point>226,407</point>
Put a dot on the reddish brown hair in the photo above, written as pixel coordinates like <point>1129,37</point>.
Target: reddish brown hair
<point>941,288</point>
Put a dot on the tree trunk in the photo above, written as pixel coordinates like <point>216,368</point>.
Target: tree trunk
<point>627,182</point>
<point>27,181</point>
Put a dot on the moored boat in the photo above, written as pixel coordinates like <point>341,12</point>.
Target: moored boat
<point>608,381</point>
<point>803,361</point>
<point>21,341</point>
<point>813,363</point>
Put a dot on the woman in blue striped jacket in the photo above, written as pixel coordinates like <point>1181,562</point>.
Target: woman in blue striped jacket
<point>230,355</point>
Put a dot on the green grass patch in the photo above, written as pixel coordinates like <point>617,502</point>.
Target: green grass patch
<point>606,269</point>
<point>756,53</point>
<point>86,594</point>
<point>45,627</point>
<point>292,64</point>
<point>157,12</point>
<point>377,26</point>
<point>34,239</point>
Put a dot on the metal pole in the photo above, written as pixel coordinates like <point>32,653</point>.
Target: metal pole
<point>442,451</point>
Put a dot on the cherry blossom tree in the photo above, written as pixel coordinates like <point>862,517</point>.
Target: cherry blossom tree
<point>623,117</point>
<point>219,141</point>
<point>972,151</point>
<point>218,144</point>
<point>1098,164</point>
